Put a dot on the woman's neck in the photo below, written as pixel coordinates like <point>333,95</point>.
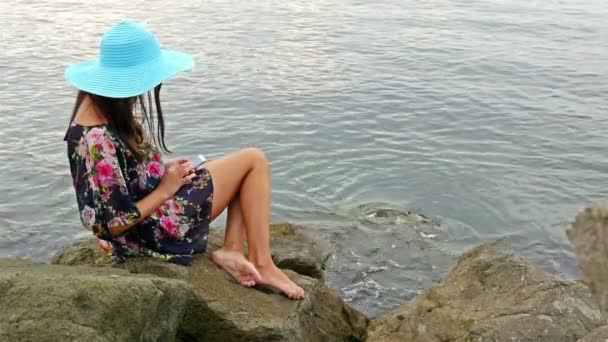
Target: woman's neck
<point>87,114</point>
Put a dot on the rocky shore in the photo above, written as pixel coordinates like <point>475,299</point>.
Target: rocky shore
<point>488,296</point>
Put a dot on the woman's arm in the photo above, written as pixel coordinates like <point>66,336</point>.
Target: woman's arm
<point>146,206</point>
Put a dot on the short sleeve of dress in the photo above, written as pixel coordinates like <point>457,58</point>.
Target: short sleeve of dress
<point>112,204</point>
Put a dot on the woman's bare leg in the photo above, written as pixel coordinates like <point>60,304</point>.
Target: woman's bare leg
<point>247,173</point>
<point>234,237</point>
<point>230,256</point>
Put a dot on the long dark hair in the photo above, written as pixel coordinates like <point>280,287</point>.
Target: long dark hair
<point>120,114</point>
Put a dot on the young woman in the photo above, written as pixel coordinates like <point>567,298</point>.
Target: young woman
<point>136,204</point>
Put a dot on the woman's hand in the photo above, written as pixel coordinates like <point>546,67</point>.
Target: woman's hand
<point>177,173</point>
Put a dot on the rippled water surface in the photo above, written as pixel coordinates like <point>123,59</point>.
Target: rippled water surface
<point>487,116</point>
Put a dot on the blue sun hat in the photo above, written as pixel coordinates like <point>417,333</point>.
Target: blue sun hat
<point>130,63</point>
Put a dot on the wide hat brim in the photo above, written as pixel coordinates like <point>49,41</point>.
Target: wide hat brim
<point>122,82</point>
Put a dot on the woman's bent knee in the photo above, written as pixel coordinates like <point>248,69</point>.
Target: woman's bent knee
<point>257,155</point>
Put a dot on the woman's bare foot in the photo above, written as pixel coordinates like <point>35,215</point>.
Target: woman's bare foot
<point>237,266</point>
<point>273,276</point>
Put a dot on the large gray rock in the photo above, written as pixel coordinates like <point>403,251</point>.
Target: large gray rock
<point>589,237</point>
<point>597,335</point>
<point>492,297</point>
<point>221,310</point>
<point>225,311</point>
<point>41,302</point>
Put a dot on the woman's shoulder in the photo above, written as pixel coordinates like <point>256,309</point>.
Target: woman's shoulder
<point>90,140</point>
<point>92,135</point>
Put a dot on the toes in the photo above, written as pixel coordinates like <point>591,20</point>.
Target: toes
<point>251,271</point>
<point>248,283</point>
<point>293,293</point>
<point>297,291</point>
<point>288,291</point>
<point>300,292</point>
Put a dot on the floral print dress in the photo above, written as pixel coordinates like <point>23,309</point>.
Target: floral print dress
<point>109,180</point>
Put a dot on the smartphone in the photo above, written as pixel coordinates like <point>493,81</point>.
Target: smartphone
<point>198,161</point>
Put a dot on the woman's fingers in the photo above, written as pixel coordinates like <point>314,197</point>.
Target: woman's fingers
<point>188,167</point>
<point>188,171</point>
<point>189,178</point>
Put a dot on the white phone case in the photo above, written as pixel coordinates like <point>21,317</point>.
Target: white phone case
<point>199,160</point>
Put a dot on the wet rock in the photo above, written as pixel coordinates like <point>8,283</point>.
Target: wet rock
<point>386,255</point>
<point>42,302</point>
<point>589,237</point>
<point>386,214</point>
<point>493,297</point>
